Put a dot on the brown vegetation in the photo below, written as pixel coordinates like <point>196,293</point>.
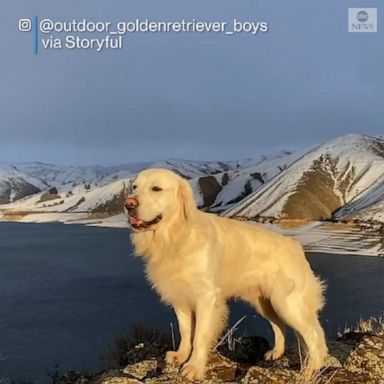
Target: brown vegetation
<point>315,197</point>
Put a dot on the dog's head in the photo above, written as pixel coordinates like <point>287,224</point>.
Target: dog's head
<point>158,196</point>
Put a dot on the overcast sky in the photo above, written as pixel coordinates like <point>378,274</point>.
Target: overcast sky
<point>194,96</point>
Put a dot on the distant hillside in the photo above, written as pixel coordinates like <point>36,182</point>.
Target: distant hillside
<point>342,179</point>
<point>335,179</point>
<point>101,190</point>
<point>220,191</point>
<point>15,185</point>
<point>24,179</point>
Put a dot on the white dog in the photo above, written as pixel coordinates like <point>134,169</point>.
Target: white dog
<point>196,261</point>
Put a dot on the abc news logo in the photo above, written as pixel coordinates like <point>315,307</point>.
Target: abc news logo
<point>362,20</point>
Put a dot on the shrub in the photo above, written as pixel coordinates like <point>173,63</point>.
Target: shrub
<point>140,343</point>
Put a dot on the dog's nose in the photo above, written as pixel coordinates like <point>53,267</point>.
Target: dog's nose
<point>131,202</point>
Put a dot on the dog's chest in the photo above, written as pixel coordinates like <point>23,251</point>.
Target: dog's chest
<point>170,280</point>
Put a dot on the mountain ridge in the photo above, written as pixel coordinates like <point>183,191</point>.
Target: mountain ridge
<point>342,179</point>
<point>321,182</point>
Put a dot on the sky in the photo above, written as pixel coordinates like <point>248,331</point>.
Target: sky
<point>200,96</point>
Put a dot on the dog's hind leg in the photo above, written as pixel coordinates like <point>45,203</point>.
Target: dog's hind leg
<point>304,321</point>
<point>264,308</point>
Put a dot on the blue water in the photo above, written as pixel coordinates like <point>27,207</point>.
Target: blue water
<point>67,291</point>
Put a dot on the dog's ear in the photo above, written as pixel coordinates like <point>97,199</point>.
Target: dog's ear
<point>187,199</point>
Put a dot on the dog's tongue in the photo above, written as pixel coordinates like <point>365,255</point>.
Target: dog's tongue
<point>135,221</point>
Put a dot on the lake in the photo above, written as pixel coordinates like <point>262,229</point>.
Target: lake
<point>67,291</point>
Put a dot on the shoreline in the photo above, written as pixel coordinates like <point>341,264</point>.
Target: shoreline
<point>338,237</point>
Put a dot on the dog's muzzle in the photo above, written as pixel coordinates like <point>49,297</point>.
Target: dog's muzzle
<point>130,205</point>
<point>137,223</point>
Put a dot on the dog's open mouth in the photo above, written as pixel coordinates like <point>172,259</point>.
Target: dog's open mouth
<point>141,224</point>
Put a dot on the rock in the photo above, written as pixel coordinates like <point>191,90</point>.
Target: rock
<point>354,359</point>
<point>367,359</point>
<point>142,369</point>
<point>333,362</point>
<point>270,376</point>
<point>221,369</point>
<point>339,352</point>
<point>120,380</point>
<point>115,376</point>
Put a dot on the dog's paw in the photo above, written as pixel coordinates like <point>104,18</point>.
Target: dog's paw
<point>193,371</point>
<point>273,354</point>
<point>175,358</point>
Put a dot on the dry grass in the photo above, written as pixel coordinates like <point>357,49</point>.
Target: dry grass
<point>99,215</point>
<point>373,325</point>
<point>292,223</point>
<point>13,216</point>
<point>308,376</point>
<point>173,336</point>
<point>314,197</point>
<point>315,377</point>
<point>340,226</point>
<point>229,336</point>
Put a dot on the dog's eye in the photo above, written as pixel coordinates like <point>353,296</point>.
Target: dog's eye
<point>156,189</point>
<point>134,187</point>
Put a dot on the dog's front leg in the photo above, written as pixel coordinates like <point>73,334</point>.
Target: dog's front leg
<point>209,313</point>
<point>185,320</point>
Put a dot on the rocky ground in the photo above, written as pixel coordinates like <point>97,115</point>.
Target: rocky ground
<point>356,358</point>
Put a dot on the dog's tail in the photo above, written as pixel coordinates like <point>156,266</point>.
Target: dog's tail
<point>314,287</point>
<point>315,293</point>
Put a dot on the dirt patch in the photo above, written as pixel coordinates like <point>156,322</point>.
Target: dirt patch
<point>111,207</point>
<point>292,223</point>
<point>48,197</point>
<point>315,197</point>
<point>13,216</point>
<point>100,215</point>
<point>340,226</point>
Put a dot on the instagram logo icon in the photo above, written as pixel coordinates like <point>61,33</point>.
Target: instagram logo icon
<point>28,25</point>
<point>25,25</point>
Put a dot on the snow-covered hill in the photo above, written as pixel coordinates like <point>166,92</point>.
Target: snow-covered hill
<point>15,185</point>
<point>23,179</point>
<point>54,188</point>
<point>367,207</point>
<point>342,178</point>
<point>223,190</point>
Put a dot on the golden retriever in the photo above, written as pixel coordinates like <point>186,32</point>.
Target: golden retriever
<point>196,261</point>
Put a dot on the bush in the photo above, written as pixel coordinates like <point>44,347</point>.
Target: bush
<point>140,343</point>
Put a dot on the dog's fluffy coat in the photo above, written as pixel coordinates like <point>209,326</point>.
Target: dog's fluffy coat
<point>197,260</point>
